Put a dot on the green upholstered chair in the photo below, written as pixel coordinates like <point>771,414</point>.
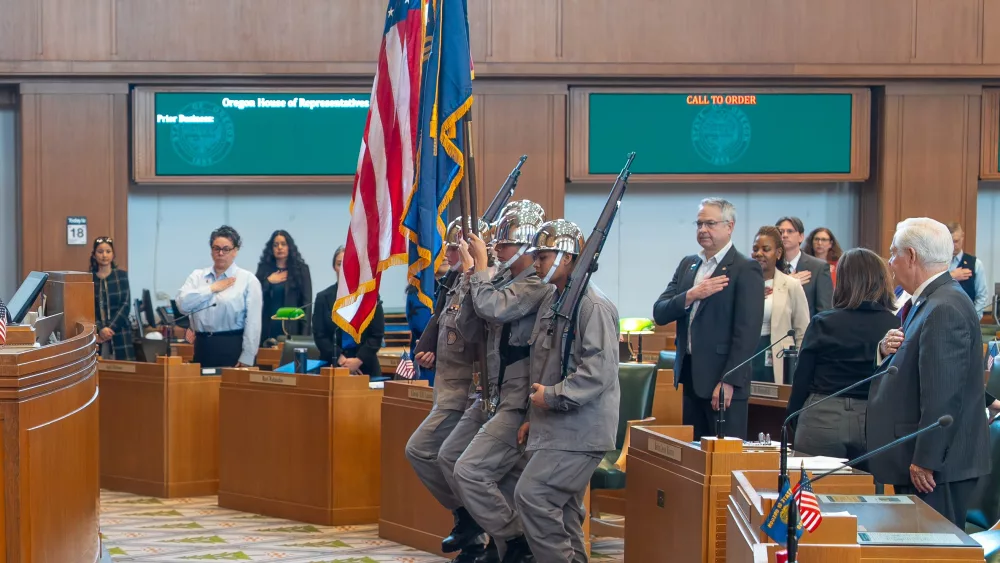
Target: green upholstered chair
<point>984,505</point>
<point>637,382</point>
<point>666,360</point>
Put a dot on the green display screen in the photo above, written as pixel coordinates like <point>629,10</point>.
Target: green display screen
<point>265,134</point>
<point>721,133</point>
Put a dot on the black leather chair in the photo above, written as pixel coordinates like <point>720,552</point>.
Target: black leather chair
<point>293,342</point>
<point>666,360</point>
<point>637,382</point>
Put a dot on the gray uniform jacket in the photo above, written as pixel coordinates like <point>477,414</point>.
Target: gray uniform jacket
<point>498,302</point>
<point>455,352</point>
<point>583,408</point>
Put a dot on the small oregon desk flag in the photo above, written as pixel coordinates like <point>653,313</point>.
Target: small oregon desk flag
<point>776,523</point>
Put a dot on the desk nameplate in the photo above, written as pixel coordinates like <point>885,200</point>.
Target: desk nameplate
<point>664,449</point>
<point>902,538</point>
<point>421,394</point>
<point>121,368</point>
<point>271,379</point>
<point>763,391</point>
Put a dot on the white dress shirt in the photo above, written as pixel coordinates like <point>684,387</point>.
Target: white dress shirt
<point>705,270</point>
<point>793,264</point>
<point>237,307</point>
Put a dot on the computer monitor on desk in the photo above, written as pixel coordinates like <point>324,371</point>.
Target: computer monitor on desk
<point>25,296</point>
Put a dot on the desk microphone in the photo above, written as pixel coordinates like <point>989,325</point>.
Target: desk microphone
<point>783,472</point>
<point>793,513</point>
<point>722,388</point>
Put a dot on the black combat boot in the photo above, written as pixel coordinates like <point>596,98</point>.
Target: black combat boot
<point>470,553</point>
<point>463,534</point>
<point>518,551</point>
<point>490,554</point>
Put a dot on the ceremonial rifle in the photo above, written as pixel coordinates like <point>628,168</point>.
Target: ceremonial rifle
<point>585,265</point>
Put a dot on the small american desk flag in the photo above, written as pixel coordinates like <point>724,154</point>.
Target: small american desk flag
<point>809,513</point>
<point>992,350</point>
<point>3,323</point>
<point>405,368</point>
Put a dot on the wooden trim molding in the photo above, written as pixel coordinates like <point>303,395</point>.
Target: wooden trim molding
<point>579,135</point>
<point>74,88</point>
<point>989,163</point>
<point>144,137</point>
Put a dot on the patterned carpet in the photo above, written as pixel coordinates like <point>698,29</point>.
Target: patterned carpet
<point>185,530</point>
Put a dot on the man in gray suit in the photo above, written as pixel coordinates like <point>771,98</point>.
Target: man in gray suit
<point>939,355</point>
<point>812,273</point>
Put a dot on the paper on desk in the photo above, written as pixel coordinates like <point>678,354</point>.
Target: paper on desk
<point>818,463</point>
<point>376,385</point>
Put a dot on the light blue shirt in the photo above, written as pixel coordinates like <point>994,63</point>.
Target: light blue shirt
<point>237,307</point>
<point>980,283</point>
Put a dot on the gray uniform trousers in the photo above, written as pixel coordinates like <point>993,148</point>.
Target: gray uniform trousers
<point>424,446</point>
<point>454,446</point>
<point>488,471</point>
<point>549,497</point>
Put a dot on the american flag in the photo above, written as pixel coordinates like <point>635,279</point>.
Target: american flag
<point>3,323</point>
<point>384,179</point>
<point>405,368</point>
<point>809,514</point>
<point>992,349</point>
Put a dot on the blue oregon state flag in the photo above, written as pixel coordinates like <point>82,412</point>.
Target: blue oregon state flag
<point>445,99</point>
<point>776,523</point>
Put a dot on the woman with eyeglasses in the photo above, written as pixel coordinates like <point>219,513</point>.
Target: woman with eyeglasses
<point>823,245</point>
<point>285,281</point>
<point>224,302</point>
<point>112,300</point>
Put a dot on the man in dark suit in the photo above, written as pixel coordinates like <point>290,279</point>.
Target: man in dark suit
<point>812,273</point>
<point>717,299</point>
<point>939,355</point>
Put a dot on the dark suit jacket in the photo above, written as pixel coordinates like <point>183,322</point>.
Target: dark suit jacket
<point>819,290</point>
<point>297,294</point>
<point>726,327</point>
<point>327,334</point>
<point>940,372</point>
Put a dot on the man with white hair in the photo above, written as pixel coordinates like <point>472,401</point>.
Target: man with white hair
<point>939,357</point>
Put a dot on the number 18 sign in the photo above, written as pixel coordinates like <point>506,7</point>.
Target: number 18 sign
<point>76,231</point>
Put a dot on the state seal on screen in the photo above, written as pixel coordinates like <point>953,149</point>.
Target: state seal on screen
<point>200,141</point>
<point>721,134</point>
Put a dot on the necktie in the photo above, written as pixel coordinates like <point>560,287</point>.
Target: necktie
<point>904,311</point>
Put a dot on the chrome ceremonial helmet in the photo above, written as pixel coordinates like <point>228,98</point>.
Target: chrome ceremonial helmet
<point>518,227</point>
<point>454,232</point>
<point>561,236</point>
<point>522,204</point>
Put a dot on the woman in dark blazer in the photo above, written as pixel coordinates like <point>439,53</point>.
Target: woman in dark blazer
<point>285,282</point>
<point>839,349</point>
<point>336,346</point>
<point>112,303</point>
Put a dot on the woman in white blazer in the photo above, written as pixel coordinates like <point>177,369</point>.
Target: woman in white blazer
<point>785,306</point>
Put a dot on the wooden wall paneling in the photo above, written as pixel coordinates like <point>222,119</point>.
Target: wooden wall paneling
<point>989,167</point>
<point>73,162</point>
<point>870,210</point>
<point>249,30</point>
<point>991,31</point>
<point>76,30</point>
<point>19,30</point>
<point>948,31</point>
<point>517,119</point>
<point>527,31</point>
<point>929,161</point>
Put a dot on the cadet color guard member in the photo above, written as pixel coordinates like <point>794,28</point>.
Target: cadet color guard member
<point>438,442</point>
<point>572,421</point>
<point>491,465</point>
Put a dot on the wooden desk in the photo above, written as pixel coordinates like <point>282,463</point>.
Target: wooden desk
<point>766,409</point>
<point>301,447</point>
<point>409,515</point>
<point>267,358</point>
<point>837,540</point>
<point>49,501</point>
<point>676,493</point>
<point>159,428</point>
<point>388,358</point>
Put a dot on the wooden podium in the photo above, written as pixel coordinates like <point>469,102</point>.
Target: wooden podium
<point>677,491</point>
<point>50,499</point>
<point>858,526</point>
<point>159,428</point>
<point>409,515</point>
<point>301,447</point>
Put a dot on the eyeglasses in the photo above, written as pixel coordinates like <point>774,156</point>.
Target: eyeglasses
<point>223,250</point>
<point>102,240</point>
<point>818,239</point>
<point>709,224</point>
